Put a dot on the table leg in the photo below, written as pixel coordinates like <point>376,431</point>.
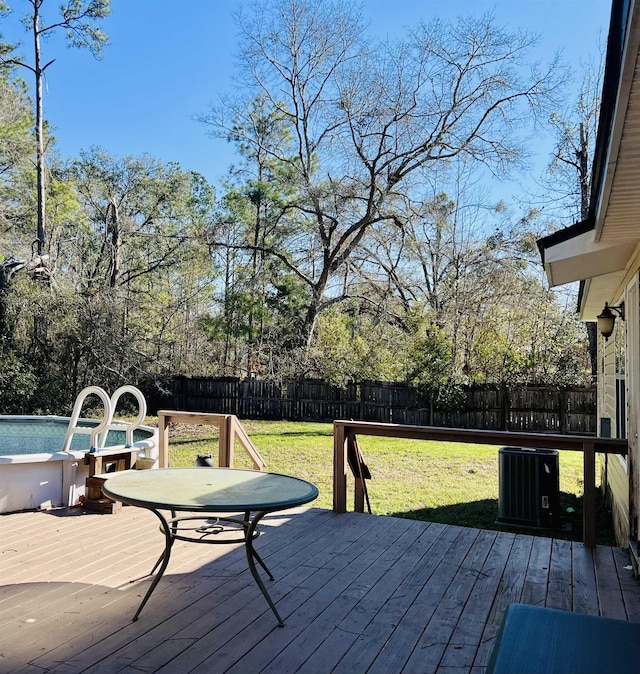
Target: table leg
<point>253,555</point>
<point>247,522</point>
<point>163,560</point>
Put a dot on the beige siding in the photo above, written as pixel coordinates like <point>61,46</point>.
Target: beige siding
<point>614,468</point>
<point>618,495</point>
<point>632,353</point>
<point>607,382</point>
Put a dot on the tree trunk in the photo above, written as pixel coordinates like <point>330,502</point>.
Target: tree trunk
<point>311,317</point>
<point>584,178</point>
<point>40,149</point>
<point>115,237</point>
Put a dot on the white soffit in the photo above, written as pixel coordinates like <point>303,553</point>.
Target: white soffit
<point>597,291</point>
<point>618,203</point>
<point>581,257</point>
<point>620,216</point>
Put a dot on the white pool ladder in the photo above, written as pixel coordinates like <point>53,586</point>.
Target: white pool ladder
<point>127,426</point>
<point>99,433</point>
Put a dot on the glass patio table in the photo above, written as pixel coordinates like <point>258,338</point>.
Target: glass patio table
<point>205,493</point>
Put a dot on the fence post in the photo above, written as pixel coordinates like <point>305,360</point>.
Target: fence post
<point>506,407</point>
<point>236,397</point>
<point>297,414</point>
<point>563,399</point>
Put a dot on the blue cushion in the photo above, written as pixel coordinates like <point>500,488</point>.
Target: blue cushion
<point>537,640</point>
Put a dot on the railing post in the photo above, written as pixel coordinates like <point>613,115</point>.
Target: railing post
<point>339,469</point>
<point>225,438</point>
<point>230,422</point>
<point>589,500</point>
<point>163,440</point>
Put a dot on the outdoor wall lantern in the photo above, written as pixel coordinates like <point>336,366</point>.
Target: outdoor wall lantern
<point>607,319</point>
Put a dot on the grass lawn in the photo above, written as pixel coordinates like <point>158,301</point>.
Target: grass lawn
<point>436,481</point>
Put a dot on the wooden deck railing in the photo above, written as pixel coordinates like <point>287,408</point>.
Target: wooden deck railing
<point>229,428</point>
<point>588,445</point>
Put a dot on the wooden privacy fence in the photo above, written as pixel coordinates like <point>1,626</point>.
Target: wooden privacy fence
<point>525,409</point>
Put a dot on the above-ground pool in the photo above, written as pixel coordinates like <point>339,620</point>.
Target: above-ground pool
<point>35,470</point>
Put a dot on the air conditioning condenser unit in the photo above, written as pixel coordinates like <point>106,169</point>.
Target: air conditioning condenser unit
<point>529,493</point>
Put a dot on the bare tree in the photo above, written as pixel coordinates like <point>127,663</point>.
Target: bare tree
<point>365,118</point>
<point>569,183</point>
<point>575,136</point>
<point>77,18</point>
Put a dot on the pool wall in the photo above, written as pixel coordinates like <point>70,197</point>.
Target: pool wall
<point>44,483</point>
<point>29,481</point>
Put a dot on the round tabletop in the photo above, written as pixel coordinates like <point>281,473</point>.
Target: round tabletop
<point>208,489</point>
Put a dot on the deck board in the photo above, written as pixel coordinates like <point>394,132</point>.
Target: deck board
<point>628,584</point>
<point>358,593</point>
<point>513,577</point>
<point>361,615</point>
<point>403,641</point>
<point>534,590</point>
<point>584,580</point>
<point>333,581</point>
<point>609,590</point>
<point>559,593</point>
<point>320,613</point>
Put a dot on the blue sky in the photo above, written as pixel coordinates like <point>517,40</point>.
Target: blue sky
<point>169,59</point>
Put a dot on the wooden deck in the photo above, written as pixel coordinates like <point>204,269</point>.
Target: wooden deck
<point>358,593</point>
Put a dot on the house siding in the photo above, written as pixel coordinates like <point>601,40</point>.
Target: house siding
<point>614,468</point>
<point>607,383</point>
